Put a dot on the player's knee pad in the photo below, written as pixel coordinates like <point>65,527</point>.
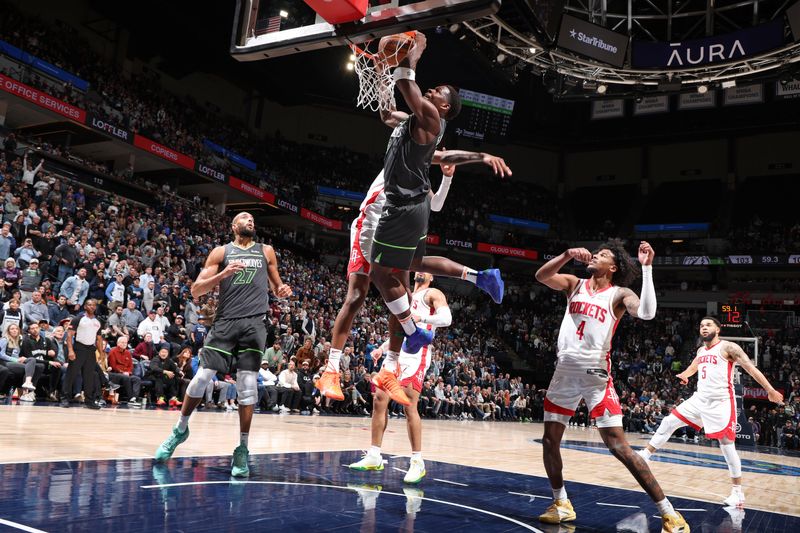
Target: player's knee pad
<point>197,386</point>
<point>732,458</point>
<point>668,426</point>
<point>247,387</point>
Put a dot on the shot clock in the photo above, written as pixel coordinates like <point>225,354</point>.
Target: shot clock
<point>732,320</point>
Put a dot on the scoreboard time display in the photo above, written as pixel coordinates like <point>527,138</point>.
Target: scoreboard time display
<point>732,317</point>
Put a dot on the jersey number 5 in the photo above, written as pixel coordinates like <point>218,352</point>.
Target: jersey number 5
<point>703,373</point>
<point>580,330</point>
<point>244,277</point>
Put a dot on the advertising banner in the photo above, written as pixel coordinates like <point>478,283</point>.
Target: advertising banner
<point>499,249</point>
<point>43,66</point>
<point>163,152</point>
<point>251,189</point>
<point>592,40</point>
<point>232,156</point>
<point>320,220</point>
<point>608,109</point>
<point>205,170</point>
<point>520,222</point>
<point>99,124</point>
<point>42,99</point>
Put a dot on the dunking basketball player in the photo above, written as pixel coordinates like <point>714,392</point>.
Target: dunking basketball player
<point>244,271</point>
<point>399,235</point>
<point>594,308</point>
<point>428,307</point>
<point>713,406</point>
<point>362,231</point>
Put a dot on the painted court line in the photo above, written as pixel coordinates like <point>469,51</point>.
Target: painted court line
<point>450,482</point>
<point>530,495</point>
<point>400,470</point>
<point>453,504</point>
<point>618,505</point>
<point>692,510</point>
<point>15,525</point>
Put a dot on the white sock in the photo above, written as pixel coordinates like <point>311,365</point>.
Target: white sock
<point>645,453</point>
<point>469,275</point>
<point>390,363</point>
<point>243,438</point>
<point>416,455</point>
<point>409,327</point>
<point>560,494</point>
<point>334,359</point>
<point>374,451</point>
<point>737,489</point>
<point>183,422</point>
<point>664,507</point>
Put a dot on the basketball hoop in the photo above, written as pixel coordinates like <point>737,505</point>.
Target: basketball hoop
<point>373,65</point>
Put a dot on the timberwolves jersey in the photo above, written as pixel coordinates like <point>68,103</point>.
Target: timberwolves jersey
<point>407,163</point>
<point>246,292</point>
<point>584,340</point>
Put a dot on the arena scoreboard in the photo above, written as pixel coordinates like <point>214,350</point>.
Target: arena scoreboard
<point>732,320</point>
<point>483,117</point>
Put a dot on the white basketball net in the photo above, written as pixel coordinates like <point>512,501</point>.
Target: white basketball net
<point>375,81</point>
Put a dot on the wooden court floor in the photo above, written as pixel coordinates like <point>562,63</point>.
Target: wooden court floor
<point>43,434</point>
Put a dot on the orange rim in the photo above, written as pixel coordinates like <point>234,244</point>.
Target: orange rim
<point>363,52</point>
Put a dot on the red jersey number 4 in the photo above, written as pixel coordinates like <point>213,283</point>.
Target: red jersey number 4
<point>579,333</point>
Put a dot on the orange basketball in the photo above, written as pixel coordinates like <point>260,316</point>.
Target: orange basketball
<point>394,48</point>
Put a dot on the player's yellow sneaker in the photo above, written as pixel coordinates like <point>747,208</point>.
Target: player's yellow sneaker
<point>416,471</point>
<point>387,381</point>
<point>559,511</point>
<point>674,523</point>
<point>328,385</point>
<point>368,462</point>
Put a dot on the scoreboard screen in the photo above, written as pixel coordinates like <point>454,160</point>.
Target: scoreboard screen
<point>732,318</point>
<point>483,117</point>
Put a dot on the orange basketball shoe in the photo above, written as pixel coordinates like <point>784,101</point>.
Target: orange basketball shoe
<point>328,385</point>
<point>387,381</point>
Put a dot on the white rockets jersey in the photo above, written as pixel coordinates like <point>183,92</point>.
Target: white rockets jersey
<point>420,308</point>
<point>584,340</point>
<point>714,373</point>
<point>370,209</point>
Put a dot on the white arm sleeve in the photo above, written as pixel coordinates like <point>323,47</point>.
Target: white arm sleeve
<point>647,301</point>
<point>441,319</point>
<point>437,202</point>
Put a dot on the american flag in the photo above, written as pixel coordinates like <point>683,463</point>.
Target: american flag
<point>273,24</point>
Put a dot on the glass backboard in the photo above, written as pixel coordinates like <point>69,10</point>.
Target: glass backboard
<point>270,28</point>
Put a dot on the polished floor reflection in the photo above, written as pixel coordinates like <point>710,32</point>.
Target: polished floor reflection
<point>316,492</point>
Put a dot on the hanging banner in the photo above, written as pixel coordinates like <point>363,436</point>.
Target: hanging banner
<point>748,94</point>
<point>252,190</point>
<point>592,40</point>
<point>205,170</point>
<point>43,66</point>
<point>316,218</point>
<point>789,90</point>
<point>715,49</point>
<point>608,109</point>
<point>42,99</point>
<point>115,131</point>
<point>697,100</point>
<point>163,152</point>
<point>651,105</point>
<point>499,249</point>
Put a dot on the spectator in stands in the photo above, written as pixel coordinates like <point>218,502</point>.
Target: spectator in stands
<point>10,275</point>
<point>24,370</point>
<point>288,389</point>
<point>66,255</point>
<point>7,242</point>
<point>58,311</point>
<point>267,388</point>
<point>131,318</point>
<point>11,315</point>
<point>115,293</point>
<point>30,280</point>
<point>305,382</point>
<point>35,310</point>
<point>146,350</point>
<point>76,289</point>
<point>305,352</point>
<point>151,326</point>
<point>274,356</point>
<point>163,372</point>
<point>26,253</point>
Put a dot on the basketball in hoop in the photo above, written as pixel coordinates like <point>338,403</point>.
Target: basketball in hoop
<point>394,48</point>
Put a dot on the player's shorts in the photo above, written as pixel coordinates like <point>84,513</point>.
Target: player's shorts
<point>594,385</point>
<point>401,235</point>
<point>235,342</point>
<point>413,368</point>
<point>717,417</point>
<point>361,235</point>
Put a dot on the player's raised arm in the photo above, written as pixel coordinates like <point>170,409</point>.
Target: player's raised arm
<point>437,200</point>
<point>548,273</point>
<point>210,276</point>
<point>643,307</point>
<point>280,289</point>
<point>426,127</point>
<point>442,316</point>
<point>463,157</point>
<point>735,353</point>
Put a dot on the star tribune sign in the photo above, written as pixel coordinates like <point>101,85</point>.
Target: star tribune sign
<point>592,41</point>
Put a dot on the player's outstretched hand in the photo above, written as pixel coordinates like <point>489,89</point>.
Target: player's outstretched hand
<point>646,253</point>
<point>775,397</point>
<point>284,291</point>
<point>580,254</point>
<point>498,165</point>
<point>420,42</point>
<point>232,268</point>
<point>683,378</point>
<point>376,354</point>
